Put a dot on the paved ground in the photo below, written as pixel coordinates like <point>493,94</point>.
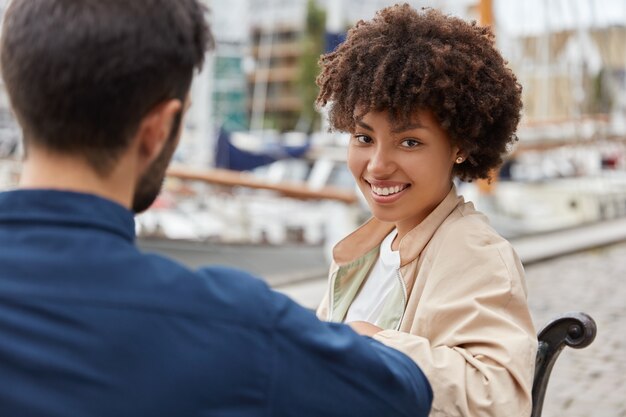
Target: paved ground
<point>278,265</point>
<point>589,382</point>
<point>584,383</point>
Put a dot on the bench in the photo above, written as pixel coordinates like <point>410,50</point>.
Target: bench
<point>576,330</point>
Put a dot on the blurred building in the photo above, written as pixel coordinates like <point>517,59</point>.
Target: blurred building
<point>570,73</point>
<point>276,48</point>
<point>9,132</point>
<point>274,101</point>
<point>229,93</point>
<point>571,61</point>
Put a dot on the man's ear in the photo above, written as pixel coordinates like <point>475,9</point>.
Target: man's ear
<point>154,130</point>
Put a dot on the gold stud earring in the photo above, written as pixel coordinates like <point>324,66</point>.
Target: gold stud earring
<point>459,160</point>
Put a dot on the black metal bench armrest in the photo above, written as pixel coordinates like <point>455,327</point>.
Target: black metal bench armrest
<point>576,330</point>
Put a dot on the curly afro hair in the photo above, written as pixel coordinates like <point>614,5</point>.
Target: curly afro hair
<point>404,60</point>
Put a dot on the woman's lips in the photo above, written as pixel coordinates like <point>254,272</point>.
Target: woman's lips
<point>384,191</point>
<point>387,192</point>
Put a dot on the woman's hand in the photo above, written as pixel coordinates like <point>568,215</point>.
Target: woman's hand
<point>364,328</point>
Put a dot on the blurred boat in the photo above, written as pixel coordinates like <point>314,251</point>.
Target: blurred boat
<point>519,209</point>
<point>287,215</point>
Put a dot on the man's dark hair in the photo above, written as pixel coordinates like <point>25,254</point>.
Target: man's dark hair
<point>404,60</point>
<point>81,74</point>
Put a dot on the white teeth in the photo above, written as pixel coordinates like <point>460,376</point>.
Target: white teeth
<point>387,190</point>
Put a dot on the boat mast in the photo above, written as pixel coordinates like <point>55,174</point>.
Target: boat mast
<point>262,70</point>
<point>486,187</point>
<point>486,12</point>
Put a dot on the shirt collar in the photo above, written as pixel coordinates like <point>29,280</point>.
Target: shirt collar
<point>39,206</point>
<point>372,233</point>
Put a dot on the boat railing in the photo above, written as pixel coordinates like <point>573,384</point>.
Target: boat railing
<point>296,190</point>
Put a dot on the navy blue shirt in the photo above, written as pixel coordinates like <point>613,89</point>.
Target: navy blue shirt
<point>90,326</point>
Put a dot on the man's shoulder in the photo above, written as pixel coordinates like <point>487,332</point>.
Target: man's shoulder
<point>222,292</point>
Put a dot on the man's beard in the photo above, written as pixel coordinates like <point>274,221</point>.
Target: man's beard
<point>151,182</point>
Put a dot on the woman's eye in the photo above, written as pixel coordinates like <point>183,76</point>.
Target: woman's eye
<point>363,139</point>
<point>410,143</point>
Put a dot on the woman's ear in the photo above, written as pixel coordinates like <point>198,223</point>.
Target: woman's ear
<point>460,156</point>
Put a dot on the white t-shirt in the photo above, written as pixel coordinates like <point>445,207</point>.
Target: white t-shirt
<point>369,301</point>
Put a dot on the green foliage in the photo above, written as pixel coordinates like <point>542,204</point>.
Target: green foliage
<point>602,99</point>
<point>312,44</point>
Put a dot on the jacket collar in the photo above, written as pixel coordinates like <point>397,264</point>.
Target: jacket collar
<point>40,207</point>
<point>371,234</point>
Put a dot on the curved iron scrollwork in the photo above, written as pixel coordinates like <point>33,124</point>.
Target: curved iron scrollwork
<point>576,330</point>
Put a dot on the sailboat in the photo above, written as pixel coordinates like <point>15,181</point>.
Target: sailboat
<point>569,167</point>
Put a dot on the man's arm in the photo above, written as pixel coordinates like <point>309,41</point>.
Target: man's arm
<point>327,369</point>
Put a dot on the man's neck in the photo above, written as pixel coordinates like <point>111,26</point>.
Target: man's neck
<point>47,170</point>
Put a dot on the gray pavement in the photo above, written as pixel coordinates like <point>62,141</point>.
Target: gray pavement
<point>589,382</point>
<point>276,264</point>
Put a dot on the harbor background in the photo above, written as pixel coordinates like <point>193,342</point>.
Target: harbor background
<point>560,198</point>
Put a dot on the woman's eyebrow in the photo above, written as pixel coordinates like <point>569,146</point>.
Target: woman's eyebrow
<point>364,125</point>
<point>400,129</point>
<point>410,126</point>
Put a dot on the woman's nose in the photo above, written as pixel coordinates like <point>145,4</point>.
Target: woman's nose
<point>381,163</point>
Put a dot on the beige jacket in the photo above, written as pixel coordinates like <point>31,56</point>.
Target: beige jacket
<point>459,309</point>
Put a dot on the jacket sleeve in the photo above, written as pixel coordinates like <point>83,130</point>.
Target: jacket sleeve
<point>322,309</point>
<point>327,369</point>
<point>472,334</point>
<point>322,312</point>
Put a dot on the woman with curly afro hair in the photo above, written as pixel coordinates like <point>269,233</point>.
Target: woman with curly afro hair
<point>426,98</point>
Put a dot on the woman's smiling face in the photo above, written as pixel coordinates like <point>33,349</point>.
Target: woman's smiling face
<point>404,172</point>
